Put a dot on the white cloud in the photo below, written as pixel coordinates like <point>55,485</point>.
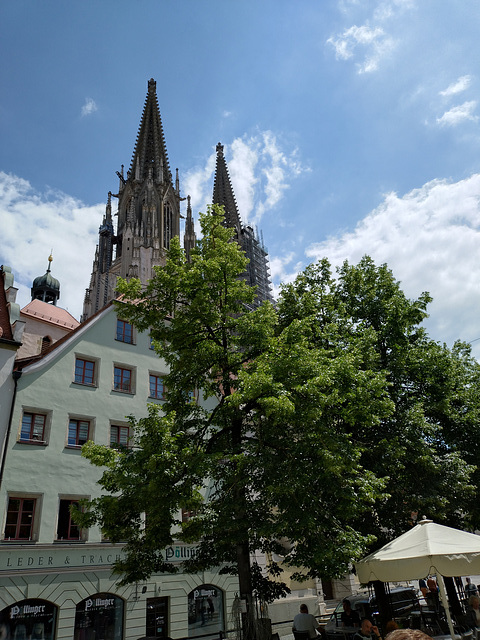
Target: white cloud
<point>242,159</point>
<point>373,40</point>
<point>283,270</point>
<point>430,239</point>
<point>458,114</point>
<point>370,42</point>
<point>390,8</point>
<point>34,223</point>
<point>89,107</point>
<point>260,171</point>
<point>457,87</point>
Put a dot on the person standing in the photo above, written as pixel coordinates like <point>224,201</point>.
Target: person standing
<point>470,589</point>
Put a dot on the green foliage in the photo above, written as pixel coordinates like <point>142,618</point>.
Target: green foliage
<point>323,422</point>
<point>425,448</point>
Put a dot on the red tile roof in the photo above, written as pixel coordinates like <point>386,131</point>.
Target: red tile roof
<point>50,313</point>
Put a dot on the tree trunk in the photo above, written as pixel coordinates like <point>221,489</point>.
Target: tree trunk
<point>245,587</point>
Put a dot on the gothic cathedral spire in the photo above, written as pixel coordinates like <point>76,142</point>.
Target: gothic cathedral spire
<point>148,214</point>
<point>257,274</point>
<point>223,193</point>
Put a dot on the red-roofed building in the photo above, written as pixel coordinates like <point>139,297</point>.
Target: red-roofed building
<point>45,323</point>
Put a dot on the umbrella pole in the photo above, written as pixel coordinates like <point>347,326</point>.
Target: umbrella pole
<point>444,599</point>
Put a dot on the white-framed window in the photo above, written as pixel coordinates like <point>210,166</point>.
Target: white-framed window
<point>22,516</point>
<point>123,378</point>
<point>35,426</point>
<point>67,529</point>
<point>86,370</point>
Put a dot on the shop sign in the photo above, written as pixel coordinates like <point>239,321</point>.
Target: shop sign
<point>29,619</point>
<point>72,558</point>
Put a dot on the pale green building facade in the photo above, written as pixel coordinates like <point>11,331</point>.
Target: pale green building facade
<point>83,388</point>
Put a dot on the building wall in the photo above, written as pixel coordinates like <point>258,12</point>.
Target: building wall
<point>66,572</point>
<point>68,586</point>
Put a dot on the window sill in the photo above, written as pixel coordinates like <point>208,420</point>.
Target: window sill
<point>125,341</point>
<point>92,385</point>
<point>17,541</point>
<point>38,443</point>
<point>126,393</point>
<point>76,447</point>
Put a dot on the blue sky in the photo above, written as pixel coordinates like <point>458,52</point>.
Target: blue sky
<point>350,127</point>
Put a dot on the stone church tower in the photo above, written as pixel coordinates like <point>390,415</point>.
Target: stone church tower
<point>148,214</point>
<point>257,273</point>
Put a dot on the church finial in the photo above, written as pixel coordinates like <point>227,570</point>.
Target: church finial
<point>152,86</point>
<point>220,149</point>
<point>46,287</point>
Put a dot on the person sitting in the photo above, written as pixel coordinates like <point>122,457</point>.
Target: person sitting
<point>367,631</point>
<point>473,612</point>
<point>304,621</point>
<point>390,626</point>
<point>349,617</point>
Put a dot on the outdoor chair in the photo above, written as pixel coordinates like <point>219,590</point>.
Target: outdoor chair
<point>301,635</point>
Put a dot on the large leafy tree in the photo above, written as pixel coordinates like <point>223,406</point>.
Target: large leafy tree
<point>425,449</point>
<point>266,455</point>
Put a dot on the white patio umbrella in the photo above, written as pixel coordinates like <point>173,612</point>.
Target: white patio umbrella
<point>428,548</point>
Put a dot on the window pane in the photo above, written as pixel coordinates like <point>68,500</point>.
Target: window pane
<point>26,426</point>
<point>67,529</point>
<point>84,371</point>
<point>124,331</point>
<point>78,432</point>
<point>20,514</point>
<point>121,379</point>
<point>72,432</point>
<point>82,432</point>
<point>33,426</point>
<point>78,370</point>
<point>119,435</point>
<point>157,387</point>
<point>38,427</point>
<point>88,372</point>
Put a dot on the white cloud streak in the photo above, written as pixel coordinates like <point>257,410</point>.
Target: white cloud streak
<point>457,87</point>
<point>369,43</point>
<point>89,107</point>
<point>373,39</point>
<point>430,239</point>
<point>458,114</point>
